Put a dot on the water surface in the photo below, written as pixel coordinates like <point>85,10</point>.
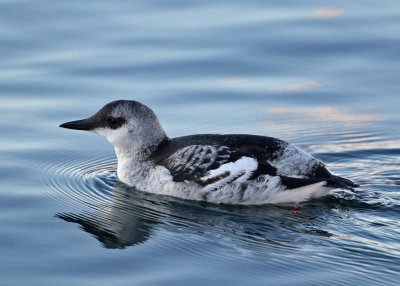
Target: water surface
<point>322,77</point>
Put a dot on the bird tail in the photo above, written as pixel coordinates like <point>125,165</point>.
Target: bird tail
<point>298,189</point>
<point>339,182</point>
<point>333,181</point>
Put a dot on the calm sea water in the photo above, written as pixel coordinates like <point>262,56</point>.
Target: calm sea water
<point>322,75</point>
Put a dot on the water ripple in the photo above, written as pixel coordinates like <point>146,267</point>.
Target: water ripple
<point>119,216</point>
<point>79,181</point>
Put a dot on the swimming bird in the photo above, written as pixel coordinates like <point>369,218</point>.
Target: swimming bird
<point>229,169</point>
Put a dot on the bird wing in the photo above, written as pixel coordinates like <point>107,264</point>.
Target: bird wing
<point>215,160</point>
<point>213,166</point>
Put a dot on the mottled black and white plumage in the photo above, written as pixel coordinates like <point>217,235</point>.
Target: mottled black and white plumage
<point>235,168</point>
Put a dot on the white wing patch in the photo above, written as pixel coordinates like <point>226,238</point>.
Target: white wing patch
<point>238,171</point>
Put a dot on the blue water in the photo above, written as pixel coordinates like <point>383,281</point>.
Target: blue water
<point>322,75</point>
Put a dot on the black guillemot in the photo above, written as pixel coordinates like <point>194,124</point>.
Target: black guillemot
<point>231,168</point>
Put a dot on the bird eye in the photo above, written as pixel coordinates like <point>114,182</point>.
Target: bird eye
<point>114,123</point>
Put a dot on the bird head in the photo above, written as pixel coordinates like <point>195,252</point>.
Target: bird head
<point>129,125</point>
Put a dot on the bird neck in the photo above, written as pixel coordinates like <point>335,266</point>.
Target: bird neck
<point>138,152</point>
<point>134,164</point>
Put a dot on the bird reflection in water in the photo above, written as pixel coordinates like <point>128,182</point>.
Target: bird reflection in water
<point>126,221</point>
<point>132,215</point>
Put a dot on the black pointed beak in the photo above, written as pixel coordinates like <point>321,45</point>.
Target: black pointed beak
<point>84,124</point>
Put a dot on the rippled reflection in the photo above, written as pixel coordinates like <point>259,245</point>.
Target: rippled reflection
<point>324,114</point>
<point>298,86</point>
<point>328,12</point>
<point>231,80</point>
<point>122,223</point>
<point>131,215</point>
<point>339,129</point>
